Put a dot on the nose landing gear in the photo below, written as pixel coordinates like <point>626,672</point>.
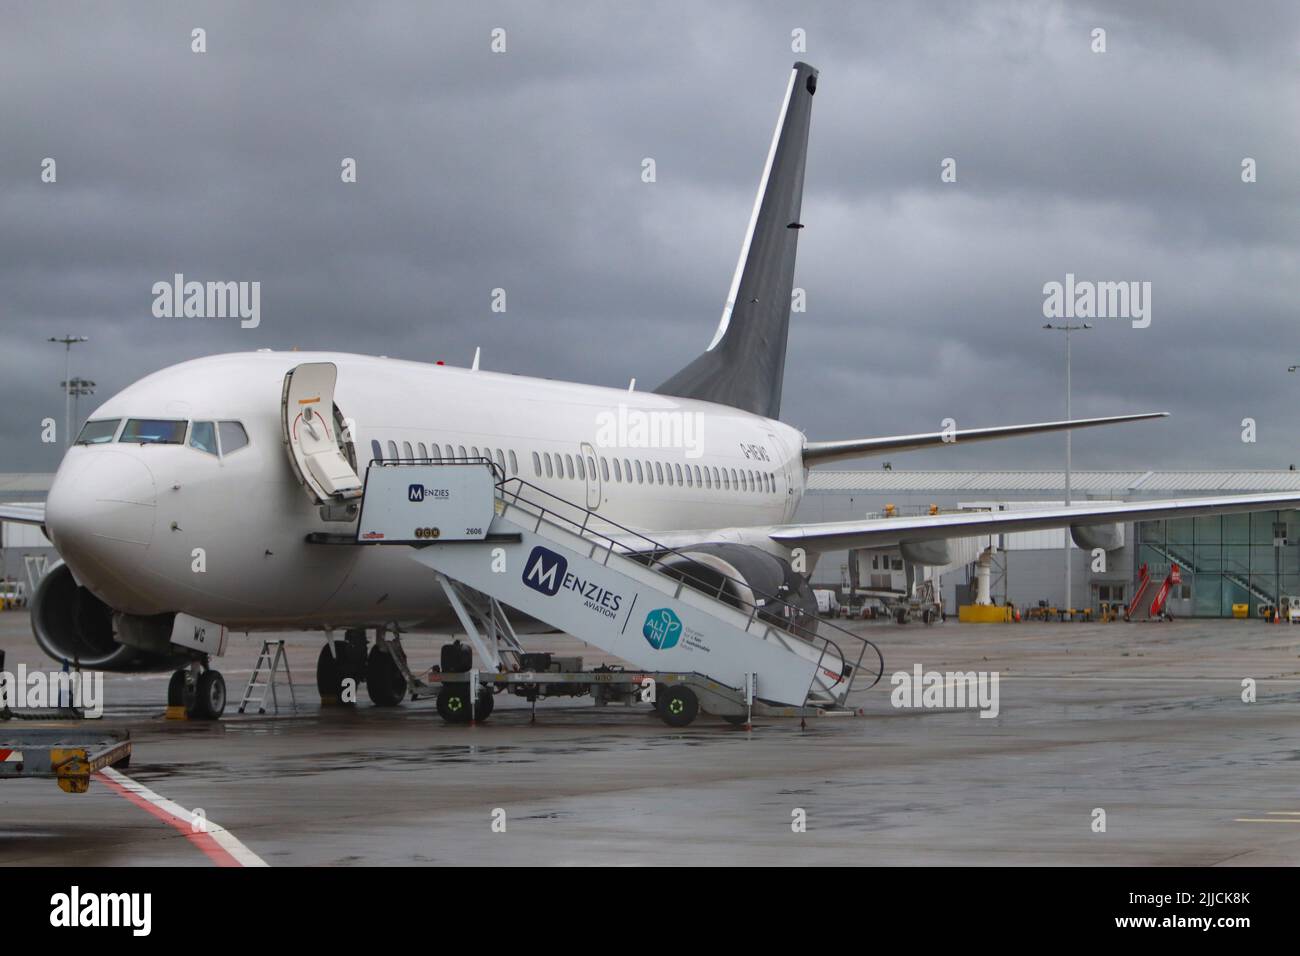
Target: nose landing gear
<point>199,690</point>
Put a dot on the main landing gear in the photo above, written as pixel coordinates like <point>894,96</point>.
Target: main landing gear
<point>199,689</point>
<point>343,666</point>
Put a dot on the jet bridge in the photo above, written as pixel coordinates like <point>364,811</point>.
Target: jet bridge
<point>491,541</point>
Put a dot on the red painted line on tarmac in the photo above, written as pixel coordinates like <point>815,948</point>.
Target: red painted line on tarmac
<point>204,841</point>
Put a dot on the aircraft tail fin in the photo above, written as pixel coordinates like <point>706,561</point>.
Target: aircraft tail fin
<point>744,365</point>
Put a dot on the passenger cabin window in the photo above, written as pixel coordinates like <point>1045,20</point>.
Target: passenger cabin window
<point>514,463</point>
<point>407,450</point>
<point>96,433</point>
<point>153,431</point>
<point>537,465</point>
<point>203,436</point>
<point>376,453</point>
<point>392,450</point>
<point>549,472</point>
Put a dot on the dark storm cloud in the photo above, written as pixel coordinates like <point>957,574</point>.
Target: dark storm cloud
<point>522,171</point>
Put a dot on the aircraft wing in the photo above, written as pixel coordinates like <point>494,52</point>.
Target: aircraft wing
<point>825,452</point>
<point>23,514</point>
<point>885,532</point>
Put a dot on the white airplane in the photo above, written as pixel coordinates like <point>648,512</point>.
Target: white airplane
<point>211,488</point>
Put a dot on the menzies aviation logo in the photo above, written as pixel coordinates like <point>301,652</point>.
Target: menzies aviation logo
<point>545,570</point>
<point>415,493</point>
<point>549,573</point>
<point>662,628</point>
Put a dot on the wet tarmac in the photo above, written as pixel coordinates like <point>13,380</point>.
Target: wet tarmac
<point>1145,722</point>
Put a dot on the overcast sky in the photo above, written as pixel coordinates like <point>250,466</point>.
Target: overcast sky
<point>522,170</point>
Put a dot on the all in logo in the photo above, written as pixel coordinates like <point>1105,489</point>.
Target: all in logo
<point>545,571</point>
<point>415,493</point>
<point>662,628</point>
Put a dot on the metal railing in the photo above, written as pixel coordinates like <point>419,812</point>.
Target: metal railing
<point>647,552</point>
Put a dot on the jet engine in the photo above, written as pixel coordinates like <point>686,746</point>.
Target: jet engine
<point>744,576</point>
<point>73,625</point>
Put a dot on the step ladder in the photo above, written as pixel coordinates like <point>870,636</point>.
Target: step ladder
<point>492,541</point>
<point>271,658</point>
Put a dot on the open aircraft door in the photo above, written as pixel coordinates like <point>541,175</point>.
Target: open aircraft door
<point>313,433</point>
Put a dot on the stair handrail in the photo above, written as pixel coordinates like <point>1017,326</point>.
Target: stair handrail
<point>656,552</point>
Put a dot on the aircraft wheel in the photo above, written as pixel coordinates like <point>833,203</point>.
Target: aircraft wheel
<point>736,720</point>
<point>332,669</point>
<point>209,697</point>
<point>384,680</point>
<point>679,706</point>
<point>176,688</point>
<point>453,703</point>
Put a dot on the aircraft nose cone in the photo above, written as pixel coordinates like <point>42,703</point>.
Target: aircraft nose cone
<point>101,505</point>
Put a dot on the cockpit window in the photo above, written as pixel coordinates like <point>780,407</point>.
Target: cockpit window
<point>203,436</point>
<point>153,431</point>
<point>233,436</point>
<point>96,433</point>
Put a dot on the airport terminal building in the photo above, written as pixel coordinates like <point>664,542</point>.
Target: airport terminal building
<point>1226,560</point>
<point>1233,559</point>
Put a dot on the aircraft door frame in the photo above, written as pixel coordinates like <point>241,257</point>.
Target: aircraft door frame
<point>594,489</point>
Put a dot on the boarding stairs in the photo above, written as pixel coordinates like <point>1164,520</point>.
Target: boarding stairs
<point>1157,607</point>
<point>493,541</point>
<point>1241,581</point>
